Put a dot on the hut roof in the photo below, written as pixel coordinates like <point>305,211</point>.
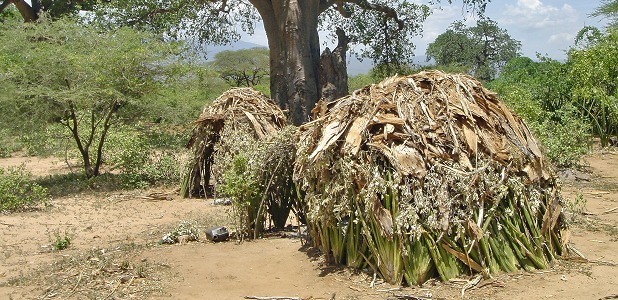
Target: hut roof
<point>418,120</point>
<point>242,105</point>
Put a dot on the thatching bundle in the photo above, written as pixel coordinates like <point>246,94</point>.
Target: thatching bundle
<point>425,175</point>
<point>236,109</point>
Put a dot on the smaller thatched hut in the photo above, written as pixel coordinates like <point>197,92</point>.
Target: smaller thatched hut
<point>244,151</point>
<point>237,108</point>
<point>428,175</point>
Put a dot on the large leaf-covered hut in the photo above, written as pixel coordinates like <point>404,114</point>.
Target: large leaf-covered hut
<point>428,175</point>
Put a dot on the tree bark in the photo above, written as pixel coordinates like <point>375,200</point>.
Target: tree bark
<point>26,11</point>
<point>292,31</point>
<point>334,71</point>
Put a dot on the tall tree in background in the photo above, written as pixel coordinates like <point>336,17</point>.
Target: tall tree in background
<point>384,26</point>
<point>245,67</point>
<point>483,49</point>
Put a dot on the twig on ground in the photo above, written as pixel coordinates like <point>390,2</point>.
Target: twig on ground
<point>272,298</point>
<point>113,291</point>
<point>615,209</point>
<point>470,284</point>
<point>76,285</point>
<point>409,297</point>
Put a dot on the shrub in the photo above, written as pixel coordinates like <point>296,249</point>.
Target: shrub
<point>131,153</point>
<point>59,241</point>
<point>17,191</point>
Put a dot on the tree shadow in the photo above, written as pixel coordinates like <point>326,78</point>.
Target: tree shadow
<point>62,185</point>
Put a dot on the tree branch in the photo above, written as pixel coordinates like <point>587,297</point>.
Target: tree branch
<point>106,125</point>
<point>388,11</point>
<point>326,4</point>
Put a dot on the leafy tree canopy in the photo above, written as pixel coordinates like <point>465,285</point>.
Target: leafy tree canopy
<point>608,9</point>
<point>381,28</point>
<point>483,49</point>
<point>245,67</point>
<point>52,8</point>
<point>80,78</point>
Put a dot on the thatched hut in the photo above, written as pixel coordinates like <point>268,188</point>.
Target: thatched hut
<point>237,109</point>
<point>244,151</point>
<point>427,175</point>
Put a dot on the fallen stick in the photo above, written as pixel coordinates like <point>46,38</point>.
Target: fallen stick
<point>610,210</point>
<point>470,284</point>
<point>272,298</point>
<point>410,297</point>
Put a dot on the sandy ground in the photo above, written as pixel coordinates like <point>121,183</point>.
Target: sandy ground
<point>114,252</point>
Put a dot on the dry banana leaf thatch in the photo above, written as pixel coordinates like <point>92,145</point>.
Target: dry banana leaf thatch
<point>435,167</point>
<point>418,120</point>
<point>236,108</point>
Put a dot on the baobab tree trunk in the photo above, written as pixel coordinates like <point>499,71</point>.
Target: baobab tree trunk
<point>292,30</point>
<point>26,11</point>
<point>334,70</point>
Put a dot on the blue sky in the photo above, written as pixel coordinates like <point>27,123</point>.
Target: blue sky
<point>543,26</point>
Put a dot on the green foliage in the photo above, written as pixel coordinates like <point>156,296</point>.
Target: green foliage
<point>241,184</point>
<point>181,99</point>
<point>18,191</point>
<point>608,9</point>
<point>81,79</point>
<point>245,67</point>
<point>381,71</point>
<point>384,27</point>
<point>483,49</point>
<point>257,176</point>
<point>140,161</point>
<point>60,241</point>
<point>592,69</point>
<point>387,41</point>
<point>575,207</point>
<point>539,93</point>
<point>359,81</point>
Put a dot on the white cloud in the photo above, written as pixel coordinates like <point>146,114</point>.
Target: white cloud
<point>536,14</point>
<point>560,39</point>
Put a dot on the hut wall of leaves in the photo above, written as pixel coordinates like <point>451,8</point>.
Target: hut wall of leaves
<point>428,175</point>
<point>243,150</point>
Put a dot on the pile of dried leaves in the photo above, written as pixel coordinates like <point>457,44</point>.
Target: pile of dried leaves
<point>432,166</point>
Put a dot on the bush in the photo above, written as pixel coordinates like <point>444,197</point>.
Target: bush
<point>257,176</point>
<point>131,153</point>
<point>564,136</point>
<point>564,139</point>
<point>17,191</point>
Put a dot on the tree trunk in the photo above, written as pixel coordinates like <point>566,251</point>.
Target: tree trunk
<point>292,31</point>
<point>334,71</point>
<point>26,11</point>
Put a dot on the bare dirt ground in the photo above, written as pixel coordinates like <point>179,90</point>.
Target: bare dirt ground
<point>114,252</point>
